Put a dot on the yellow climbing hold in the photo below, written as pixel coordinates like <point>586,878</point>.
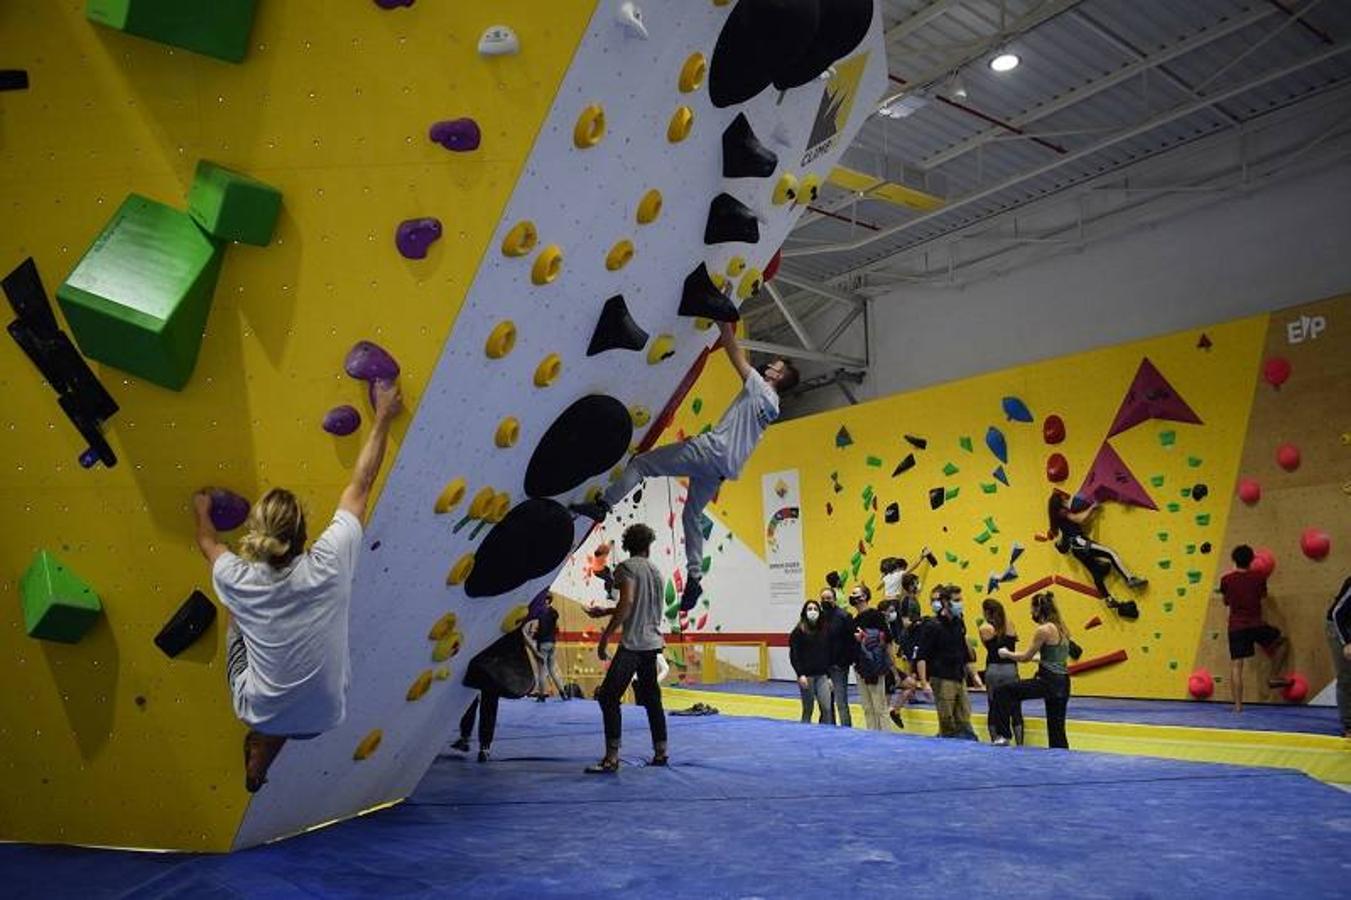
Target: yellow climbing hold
<point>443,626</point>
<point>662,347</point>
<point>497,510</point>
<point>547,265</point>
<point>447,647</point>
<point>419,686</point>
<point>508,430</point>
<point>368,744</point>
<point>750,284</point>
<point>442,673</point>
<point>500,340</point>
<point>785,190</point>
<point>460,571</point>
<point>692,73</point>
<point>619,255</point>
<point>719,281</point>
<point>482,502</point>
<point>702,324</point>
<point>810,187</point>
<point>515,618</point>
<point>682,120</point>
<point>521,239</point>
<point>451,495</point>
<point>593,493</point>
<point>548,370</point>
<point>736,265</point>
<point>640,415</point>
<point>649,207</point>
<point>590,127</point>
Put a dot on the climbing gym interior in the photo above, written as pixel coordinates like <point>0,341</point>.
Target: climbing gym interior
<point>1027,315</point>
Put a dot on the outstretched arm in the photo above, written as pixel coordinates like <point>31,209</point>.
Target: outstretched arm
<point>734,351</point>
<point>618,617</point>
<point>207,540</point>
<point>388,404</point>
<point>1038,638</point>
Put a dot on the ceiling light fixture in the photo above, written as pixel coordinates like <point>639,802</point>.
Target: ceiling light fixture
<point>956,87</point>
<point>1004,61</point>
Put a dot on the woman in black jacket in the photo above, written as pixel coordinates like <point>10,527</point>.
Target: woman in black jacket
<point>809,650</point>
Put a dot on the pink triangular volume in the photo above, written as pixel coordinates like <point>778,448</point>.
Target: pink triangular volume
<point>1109,480</point>
<point>1151,397</point>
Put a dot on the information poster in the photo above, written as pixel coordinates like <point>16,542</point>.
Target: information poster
<point>783,538</point>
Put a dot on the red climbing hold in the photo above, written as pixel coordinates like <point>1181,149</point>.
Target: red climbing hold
<point>1053,429</point>
<point>772,267</point>
<point>1111,480</point>
<point>1315,543</point>
<point>1295,689</point>
<point>1203,342</point>
<point>1276,371</point>
<point>1201,684</point>
<point>1263,562</point>
<point>1249,491</point>
<point>1057,468</point>
<point>1150,396</point>
<point>1093,623</point>
<point>1287,457</point>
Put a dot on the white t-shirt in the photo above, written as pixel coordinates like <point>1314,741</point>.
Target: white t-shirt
<point>892,584</point>
<point>734,438</point>
<point>294,625</point>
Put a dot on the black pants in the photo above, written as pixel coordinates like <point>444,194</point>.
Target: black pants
<point>1048,686</point>
<point>647,691</point>
<point>1100,561</point>
<point>485,707</point>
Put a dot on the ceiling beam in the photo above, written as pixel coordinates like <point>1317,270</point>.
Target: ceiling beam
<point>819,289</point>
<point>793,323</point>
<point>787,352</point>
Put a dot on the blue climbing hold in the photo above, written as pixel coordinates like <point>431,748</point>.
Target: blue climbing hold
<point>1001,476</point>
<point>994,439</point>
<point>843,438</point>
<point>1015,410</point>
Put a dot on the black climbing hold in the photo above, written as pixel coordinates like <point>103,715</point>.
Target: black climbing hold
<point>1200,492</point>
<point>191,620</point>
<point>375,545</point>
<point>701,298</point>
<point>904,465</point>
<point>502,667</point>
<point>1128,610</point>
<point>13,79</point>
<point>743,156</point>
<point>586,439</point>
<point>843,25</point>
<point>936,497</point>
<point>730,220</point>
<point>139,700</point>
<point>532,540</point>
<point>830,510</point>
<point>637,496</point>
<point>893,513</point>
<point>1206,548</point>
<point>616,329</point>
<point>918,443</point>
<point>756,35</point>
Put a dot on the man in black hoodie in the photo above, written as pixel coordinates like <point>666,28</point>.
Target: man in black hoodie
<point>843,646</point>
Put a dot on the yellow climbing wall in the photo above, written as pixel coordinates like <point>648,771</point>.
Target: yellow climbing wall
<point>1086,391</point>
<point>107,741</point>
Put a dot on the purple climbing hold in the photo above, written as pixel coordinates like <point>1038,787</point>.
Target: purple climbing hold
<point>370,363</point>
<point>342,420</point>
<point>89,458</point>
<point>228,510</point>
<point>393,4</point>
<point>460,135</point>
<point>414,236</point>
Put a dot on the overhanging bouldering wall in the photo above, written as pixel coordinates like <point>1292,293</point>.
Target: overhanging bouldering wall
<point>569,155</point>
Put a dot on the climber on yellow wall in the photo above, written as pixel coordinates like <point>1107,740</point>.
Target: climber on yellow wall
<point>707,459</point>
<point>1069,529</point>
<point>286,647</point>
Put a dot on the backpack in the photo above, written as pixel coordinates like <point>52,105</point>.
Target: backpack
<point>872,660</point>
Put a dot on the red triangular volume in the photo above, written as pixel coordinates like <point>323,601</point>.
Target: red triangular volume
<point>1151,397</point>
<point>1109,480</point>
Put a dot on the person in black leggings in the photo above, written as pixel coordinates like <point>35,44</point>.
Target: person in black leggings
<point>484,708</point>
<point>1068,530</point>
<point>997,633</point>
<point>1052,681</point>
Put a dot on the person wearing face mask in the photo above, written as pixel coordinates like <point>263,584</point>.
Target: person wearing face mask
<point>840,631</point>
<point>872,661</point>
<point>1052,681</point>
<point>942,657</point>
<point>809,653</point>
<point>997,633</point>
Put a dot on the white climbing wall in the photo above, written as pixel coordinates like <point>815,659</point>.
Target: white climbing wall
<point>583,201</point>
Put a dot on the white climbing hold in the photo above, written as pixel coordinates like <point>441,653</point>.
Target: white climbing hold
<point>499,40</point>
<point>631,19</point>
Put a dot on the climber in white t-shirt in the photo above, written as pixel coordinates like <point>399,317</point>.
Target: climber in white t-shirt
<point>707,459</point>
<point>286,646</point>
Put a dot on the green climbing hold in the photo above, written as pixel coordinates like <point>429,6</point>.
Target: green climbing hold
<point>706,564</point>
<point>138,299</point>
<point>697,406</point>
<point>989,487</point>
<point>965,443</point>
<point>950,493</point>
<point>874,461</point>
<point>1203,518</point>
<point>1172,664</point>
<point>1168,606</point>
<point>871,523</point>
<point>1167,438</point>
<point>964,563</point>
<point>1191,549</point>
<point>706,429</point>
<point>1185,492</point>
<point>57,604</point>
<point>1165,564</point>
<point>1194,576</point>
<point>1162,536</point>
<point>1194,462</point>
<point>994,549</point>
<point>950,556</point>
<point>233,207</point>
<point>867,494</point>
<point>989,523</point>
<point>1174,507</point>
<point>982,537</point>
<point>1182,592</point>
<point>218,28</point>
<point>1156,480</point>
<point>950,470</point>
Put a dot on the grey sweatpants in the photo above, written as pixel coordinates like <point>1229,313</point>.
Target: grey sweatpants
<point>692,459</point>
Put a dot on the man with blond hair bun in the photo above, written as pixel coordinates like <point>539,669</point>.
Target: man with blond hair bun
<point>286,645</point>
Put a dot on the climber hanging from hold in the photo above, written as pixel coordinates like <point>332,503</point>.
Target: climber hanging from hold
<point>287,657</point>
<point>707,459</point>
<point>1067,528</point>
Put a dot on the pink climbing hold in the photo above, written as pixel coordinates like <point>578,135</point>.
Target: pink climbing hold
<point>1150,396</point>
<point>228,510</point>
<point>1276,371</point>
<point>1316,543</point>
<point>1053,429</point>
<point>1287,457</point>
<point>1201,684</point>
<point>342,420</point>
<point>460,135</point>
<point>1249,491</point>
<point>1111,480</point>
<point>414,236</point>
<point>1263,562</point>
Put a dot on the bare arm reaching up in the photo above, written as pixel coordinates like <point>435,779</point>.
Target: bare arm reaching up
<point>734,351</point>
<point>388,405</point>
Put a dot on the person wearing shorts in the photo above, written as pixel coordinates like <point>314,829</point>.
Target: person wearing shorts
<point>1242,590</point>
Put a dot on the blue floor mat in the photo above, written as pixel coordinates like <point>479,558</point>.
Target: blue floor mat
<point>766,808</point>
<point>1296,719</point>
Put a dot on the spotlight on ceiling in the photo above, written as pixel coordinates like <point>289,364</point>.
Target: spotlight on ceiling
<point>903,106</point>
<point>956,87</point>
<point>1004,61</point>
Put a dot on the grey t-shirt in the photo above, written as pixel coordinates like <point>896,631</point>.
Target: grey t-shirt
<point>738,431</point>
<point>642,630</point>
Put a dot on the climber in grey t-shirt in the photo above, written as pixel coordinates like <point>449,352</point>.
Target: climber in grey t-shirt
<point>707,459</point>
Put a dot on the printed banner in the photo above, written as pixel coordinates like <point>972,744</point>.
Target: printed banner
<point>783,538</point>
